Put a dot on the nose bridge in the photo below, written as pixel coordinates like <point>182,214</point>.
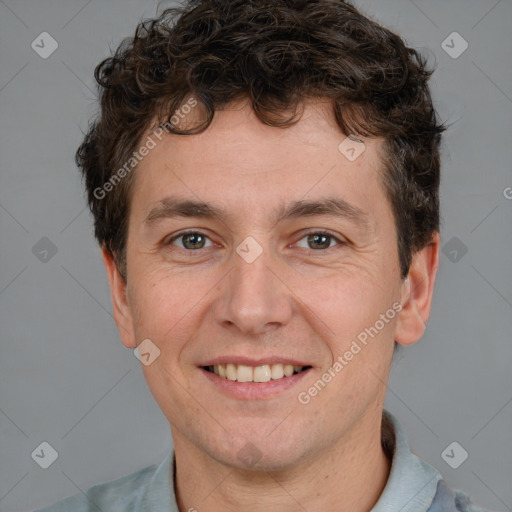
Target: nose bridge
<point>253,299</point>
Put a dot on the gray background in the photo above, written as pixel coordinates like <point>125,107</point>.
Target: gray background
<point>66,378</point>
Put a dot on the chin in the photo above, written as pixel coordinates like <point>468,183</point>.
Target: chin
<point>256,453</point>
<point>251,459</point>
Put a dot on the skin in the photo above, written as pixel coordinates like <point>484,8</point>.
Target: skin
<point>294,300</point>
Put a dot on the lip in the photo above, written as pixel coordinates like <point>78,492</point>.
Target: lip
<point>254,362</point>
<point>253,390</point>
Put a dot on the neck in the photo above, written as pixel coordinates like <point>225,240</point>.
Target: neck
<point>349,476</point>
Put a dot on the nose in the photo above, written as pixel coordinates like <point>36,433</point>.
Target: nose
<point>254,299</point>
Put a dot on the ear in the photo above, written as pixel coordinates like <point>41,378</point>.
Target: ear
<point>417,291</point>
<point>121,307</point>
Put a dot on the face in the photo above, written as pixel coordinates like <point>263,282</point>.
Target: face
<point>289,258</point>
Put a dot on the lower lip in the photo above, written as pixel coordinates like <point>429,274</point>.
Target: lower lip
<point>254,390</point>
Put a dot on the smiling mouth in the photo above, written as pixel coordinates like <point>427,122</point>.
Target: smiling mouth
<point>264,373</point>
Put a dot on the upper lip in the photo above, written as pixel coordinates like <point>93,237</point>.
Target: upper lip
<point>247,361</point>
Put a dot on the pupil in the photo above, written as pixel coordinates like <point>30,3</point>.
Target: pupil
<point>316,238</point>
<point>194,239</point>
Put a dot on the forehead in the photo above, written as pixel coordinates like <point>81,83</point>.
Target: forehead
<point>238,159</point>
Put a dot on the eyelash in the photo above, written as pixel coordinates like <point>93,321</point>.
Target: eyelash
<point>311,232</point>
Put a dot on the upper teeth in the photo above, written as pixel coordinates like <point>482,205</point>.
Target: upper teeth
<point>265,373</point>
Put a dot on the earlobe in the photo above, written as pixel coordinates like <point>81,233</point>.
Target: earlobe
<point>120,305</point>
<point>417,291</point>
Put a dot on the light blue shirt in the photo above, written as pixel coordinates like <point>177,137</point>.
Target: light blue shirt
<point>412,486</point>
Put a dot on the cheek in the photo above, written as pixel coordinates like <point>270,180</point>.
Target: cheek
<point>163,305</point>
<point>350,301</point>
<point>359,341</point>
<point>351,306</point>
<point>168,317</point>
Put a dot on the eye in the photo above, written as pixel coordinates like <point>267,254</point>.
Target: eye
<point>190,240</point>
<point>193,240</point>
<point>319,240</point>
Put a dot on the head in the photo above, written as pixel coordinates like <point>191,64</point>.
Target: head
<point>231,120</point>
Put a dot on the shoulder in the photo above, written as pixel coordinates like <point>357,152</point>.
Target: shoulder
<point>118,495</point>
<point>450,500</point>
<point>464,504</point>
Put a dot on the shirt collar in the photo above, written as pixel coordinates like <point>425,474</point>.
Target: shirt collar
<point>411,485</point>
<point>159,495</point>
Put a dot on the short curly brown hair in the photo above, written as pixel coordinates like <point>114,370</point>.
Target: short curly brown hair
<point>276,54</point>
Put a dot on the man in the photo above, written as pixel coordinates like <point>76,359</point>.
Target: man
<point>264,182</point>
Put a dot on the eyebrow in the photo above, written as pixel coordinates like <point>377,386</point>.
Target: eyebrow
<point>171,207</point>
